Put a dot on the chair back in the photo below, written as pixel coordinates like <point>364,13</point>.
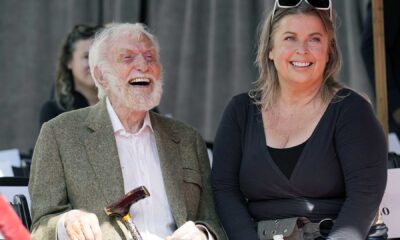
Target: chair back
<point>20,205</point>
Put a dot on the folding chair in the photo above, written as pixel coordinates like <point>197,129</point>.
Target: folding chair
<point>20,205</point>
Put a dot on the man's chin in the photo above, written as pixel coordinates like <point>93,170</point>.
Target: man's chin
<point>142,105</point>
<point>139,101</point>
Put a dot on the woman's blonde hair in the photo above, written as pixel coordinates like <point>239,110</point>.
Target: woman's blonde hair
<point>267,86</point>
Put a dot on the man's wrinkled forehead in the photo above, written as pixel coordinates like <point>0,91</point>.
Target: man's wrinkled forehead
<point>127,40</point>
<point>130,37</point>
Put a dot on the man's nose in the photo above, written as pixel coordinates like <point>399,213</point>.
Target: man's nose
<point>141,64</point>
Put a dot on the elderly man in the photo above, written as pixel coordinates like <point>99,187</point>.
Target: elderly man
<point>87,159</point>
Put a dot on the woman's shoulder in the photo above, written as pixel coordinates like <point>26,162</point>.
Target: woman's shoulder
<point>49,110</point>
<point>240,107</point>
<point>351,103</point>
<point>350,96</point>
<point>50,107</point>
<point>243,99</point>
<point>240,101</point>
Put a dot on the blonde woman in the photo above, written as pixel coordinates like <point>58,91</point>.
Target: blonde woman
<point>300,150</point>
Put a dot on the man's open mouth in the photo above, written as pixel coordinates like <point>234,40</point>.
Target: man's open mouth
<point>139,81</point>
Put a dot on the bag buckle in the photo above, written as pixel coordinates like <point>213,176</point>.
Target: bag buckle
<point>325,226</point>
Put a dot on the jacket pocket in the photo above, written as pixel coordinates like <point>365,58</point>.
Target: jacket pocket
<point>192,188</point>
<point>192,176</point>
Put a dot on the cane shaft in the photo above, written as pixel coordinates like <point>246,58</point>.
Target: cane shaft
<point>132,228</point>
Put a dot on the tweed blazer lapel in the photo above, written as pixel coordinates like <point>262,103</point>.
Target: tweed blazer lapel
<point>102,152</point>
<point>168,150</point>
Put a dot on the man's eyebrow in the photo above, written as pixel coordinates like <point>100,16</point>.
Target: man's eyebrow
<point>123,50</point>
<point>152,49</point>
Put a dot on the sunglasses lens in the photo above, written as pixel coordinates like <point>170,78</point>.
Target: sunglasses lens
<point>317,4</point>
<point>288,3</point>
<point>320,3</point>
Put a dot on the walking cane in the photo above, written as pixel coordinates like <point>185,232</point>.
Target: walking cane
<point>120,209</point>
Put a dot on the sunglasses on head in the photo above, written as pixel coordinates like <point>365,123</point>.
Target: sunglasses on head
<point>317,4</point>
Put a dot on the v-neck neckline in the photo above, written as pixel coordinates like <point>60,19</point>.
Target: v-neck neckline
<point>310,140</point>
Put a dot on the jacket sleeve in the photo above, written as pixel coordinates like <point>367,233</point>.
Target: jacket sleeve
<point>47,186</point>
<point>207,215</point>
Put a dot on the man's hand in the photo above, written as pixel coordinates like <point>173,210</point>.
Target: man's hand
<point>188,231</point>
<point>82,225</point>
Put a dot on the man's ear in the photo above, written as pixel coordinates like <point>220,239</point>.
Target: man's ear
<point>100,78</point>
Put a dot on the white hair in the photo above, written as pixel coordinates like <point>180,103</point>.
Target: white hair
<point>110,33</point>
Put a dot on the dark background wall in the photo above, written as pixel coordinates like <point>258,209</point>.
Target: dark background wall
<point>207,49</point>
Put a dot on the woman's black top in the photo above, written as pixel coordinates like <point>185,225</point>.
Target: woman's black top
<point>50,109</point>
<point>340,173</point>
<point>286,158</point>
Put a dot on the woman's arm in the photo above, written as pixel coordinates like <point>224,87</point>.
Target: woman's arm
<point>362,151</point>
<point>231,205</point>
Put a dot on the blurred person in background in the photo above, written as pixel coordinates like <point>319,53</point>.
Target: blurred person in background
<point>74,87</point>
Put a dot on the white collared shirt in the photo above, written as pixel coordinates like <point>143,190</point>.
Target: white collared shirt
<point>140,165</point>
